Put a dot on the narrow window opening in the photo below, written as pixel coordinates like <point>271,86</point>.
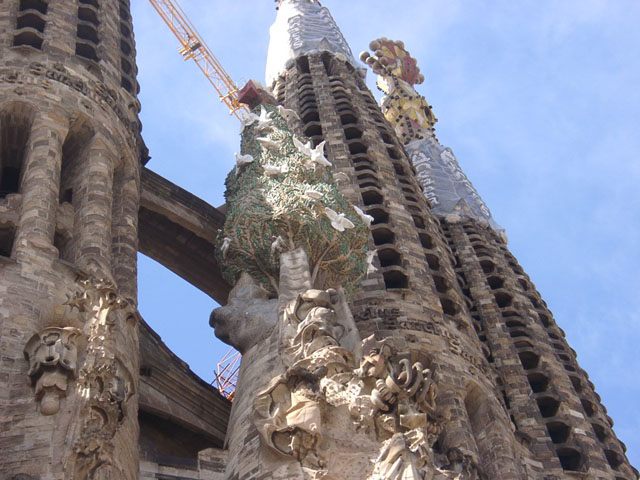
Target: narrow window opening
<point>426,241</point>
<point>514,323</point>
<point>548,406</point>
<point>503,299</point>
<point>432,261</point>
<point>389,257</point>
<point>39,5</point>
<point>418,221</point>
<point>570,459</point>
<point>559,432</point>
<point>28,38</point>
<point>303,65</point>
<point>379,215</point>
<point>7,236</point>
<point>442,286</point>
<point>395,279</point>
<point>487,266</point>
<point>372,197</point>
<point>539,382</point>
<point>14,135</point>
<point>382,236</point>
<point>614,459</point>
<point>495,282</point>
<point>600,432</point>
<point>326,62</point>
<point>577,384</point>
<point>588,407</point>
<point>352,133</point>
<point>313,130</point>
<point>357,147</point>
<point>31,20</point>
<point>529,360</point>
<point>448,306</point>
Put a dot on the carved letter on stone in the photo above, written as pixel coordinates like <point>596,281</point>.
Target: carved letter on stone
<point>52,356</point>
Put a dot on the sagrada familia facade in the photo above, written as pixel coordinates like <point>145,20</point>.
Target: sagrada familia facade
<point>387,332</point>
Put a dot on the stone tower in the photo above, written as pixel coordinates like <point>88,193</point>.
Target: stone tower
<point>554,408</point>
<point>461,372</point>
<point>70,160</point>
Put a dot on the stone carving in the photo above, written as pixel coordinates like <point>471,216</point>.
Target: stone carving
<point>398,402</point>
<point>249,301</point>
<point>104,382</point>
<point>314,345</point>
<point>398,71</point>
<point>389,398</point>
<point>53,362</point>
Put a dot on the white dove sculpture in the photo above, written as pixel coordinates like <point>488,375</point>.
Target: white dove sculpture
<point>288,114</point>
<point>313,194</point>
<point>272,170</point>
<point>278,245</point>
<point>264,120</point>
<point>226,243</point>
<point>247,120</point>
<point>243,159</point>
<point>370,266</point>
<point>317,156</point>
<point>365,217</point>
<point>268,143</point>
<point>338,220</point>
<point>303,148</point>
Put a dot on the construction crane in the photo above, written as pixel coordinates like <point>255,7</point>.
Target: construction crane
<point>193,47</point>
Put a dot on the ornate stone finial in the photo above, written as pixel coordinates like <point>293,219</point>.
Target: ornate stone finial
<point>53,361</point>
<point>398,71</point>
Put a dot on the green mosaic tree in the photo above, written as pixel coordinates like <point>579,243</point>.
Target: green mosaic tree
<point>281,196</point>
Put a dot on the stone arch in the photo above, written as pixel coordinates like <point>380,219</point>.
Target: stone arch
<point>16,119</point>
<point>74,155</point>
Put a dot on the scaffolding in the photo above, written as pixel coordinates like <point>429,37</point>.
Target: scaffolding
<point>227,374</point>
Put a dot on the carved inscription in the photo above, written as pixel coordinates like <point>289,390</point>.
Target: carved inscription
<point>391,319</point>
<point>43,76</point>
<point>374,312</point>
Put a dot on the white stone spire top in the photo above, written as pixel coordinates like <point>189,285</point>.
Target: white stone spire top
<point>303,27</point>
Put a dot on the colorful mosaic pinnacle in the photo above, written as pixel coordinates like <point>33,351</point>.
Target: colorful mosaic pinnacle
<point>408,112</point>
<point>280,197</point>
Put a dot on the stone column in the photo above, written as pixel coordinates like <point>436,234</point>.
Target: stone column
<point>92,226</point>
<point>124,231</point>
<point>60,32</point>
<point>7,23</point>
<point>40,185</point>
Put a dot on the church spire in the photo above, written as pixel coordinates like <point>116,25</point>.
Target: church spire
<point>302,27</point>
<point>453,197</point>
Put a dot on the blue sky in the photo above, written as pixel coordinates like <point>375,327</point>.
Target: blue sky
<point>539,100</point>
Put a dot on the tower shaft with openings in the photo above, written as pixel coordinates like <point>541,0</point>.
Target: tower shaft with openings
<point>70,160</point>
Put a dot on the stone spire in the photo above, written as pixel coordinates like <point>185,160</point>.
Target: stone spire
<point>450,192</point>
<point>303,27</point>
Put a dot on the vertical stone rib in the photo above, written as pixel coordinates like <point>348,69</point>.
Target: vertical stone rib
<point>60,33</point>
<point>40,184</point>
<point>93,215</point>
<point>124,230</point>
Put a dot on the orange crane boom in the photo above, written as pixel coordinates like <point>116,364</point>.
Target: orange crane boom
<point>193,47</point>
